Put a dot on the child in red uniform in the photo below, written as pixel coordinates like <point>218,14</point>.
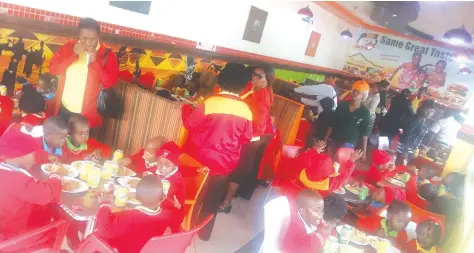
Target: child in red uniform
<point>428,237</point>
<point>335,208</point>
<point>78,144</point>
<point>392,227</point>
<point>146,159</point>
<point>383,166</point>
<point>20,193</point>
<point>130,230</point>
<point>55,131</point>
<point>383,197</point>
<point>32,104</point>
<point>173,182</point>
<point>6,109</point>
<point>319,173</point>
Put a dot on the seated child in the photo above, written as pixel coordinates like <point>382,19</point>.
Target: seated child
<point>383,166</point>
<point>55,131</point>
<point>174,188</point>
<point>384,196</point>
<point>422,175</point>
<point>453,185</point>
<point>392,227</point>
<point>78,144</point>
<point>428,238</point>
<point>46,86</point>
<point>321,125</point>
<point>452,211</point>
<point>318,172</point>
<point>32,104</point>
<point>20,193</point>
<point>128,231</point>
<point>421,195</point>
<point>145,160</point>
<point>335,208</point>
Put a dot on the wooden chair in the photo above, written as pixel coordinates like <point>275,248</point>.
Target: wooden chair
<point>93,244</point>
<point>175,243</point>
<point>37,239</point>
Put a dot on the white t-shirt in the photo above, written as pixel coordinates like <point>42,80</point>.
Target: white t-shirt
<point>322,90</point>
<point>446,130</point>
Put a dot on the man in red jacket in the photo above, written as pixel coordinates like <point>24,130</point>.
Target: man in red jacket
<point>82,70</point>
<point>218,129</point>
<point>20,193</point>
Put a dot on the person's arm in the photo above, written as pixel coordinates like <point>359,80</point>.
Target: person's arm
<point>407,132</point>
<point>373,103</point>
<point>261,114</point>
<point>108,73</point>
<point>307,89</point>
<point>62,59</point>
<point>110,225</point>
<point>365,129</point>
<point>39,192</point>
<point>193,118</point>
<point>343,177</point>
<point>310,102</point>
<point>276,221</point>
<point>396,70</point>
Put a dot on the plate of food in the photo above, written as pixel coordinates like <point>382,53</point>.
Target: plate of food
<point>356,236</point>
<point>72,185</point>
<point>63,170</point>
<point>124,172</point>
<point>340,190</point>
<point>374,242</point>
<point>353,188</point>
<point>130,182</point>
<point>395,182</point>
<point>78,164</point>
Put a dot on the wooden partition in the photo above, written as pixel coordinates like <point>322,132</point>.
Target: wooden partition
<point>145,115</point>
<point>287,118</point>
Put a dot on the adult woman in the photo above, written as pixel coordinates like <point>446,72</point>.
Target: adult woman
<point>373,100</point>
<point>400,108</point>
<point>259,97</point>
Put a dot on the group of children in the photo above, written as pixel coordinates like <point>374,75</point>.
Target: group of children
<point>30,203</point>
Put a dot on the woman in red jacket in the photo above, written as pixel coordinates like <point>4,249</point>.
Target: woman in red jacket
<point>258,95</point>
<point>82,70</point>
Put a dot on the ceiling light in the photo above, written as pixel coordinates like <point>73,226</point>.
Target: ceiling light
<point>461,57</point>
<point>346,34</point>
<point>465,71</point>
<point>394,15</point>
<point>306,12</point>
<point>458,36</point>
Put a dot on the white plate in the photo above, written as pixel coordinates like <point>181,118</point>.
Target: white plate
<point>73,172</point>
<point>371,241</point>
<point>395,182</point>
<point>354,230</point>
<point>131,173</point>
<point>340,190</point>
<point>347,188</point>
<point>78,164</point>
<point>123,181</point>
<point>82,186</point>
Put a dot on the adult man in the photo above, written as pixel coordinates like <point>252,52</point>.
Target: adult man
<point>445,131</point>
<point>83,70</point>
<point>312,94</point>
<point>295,226</point>
<point>351,120</point>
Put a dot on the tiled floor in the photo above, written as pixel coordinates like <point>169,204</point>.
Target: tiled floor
<point>234,230</point>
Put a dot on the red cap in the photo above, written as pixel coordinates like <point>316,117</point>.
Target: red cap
<point>317,166</point>
<point>392,193</point>
<point>169,151</point>
<point>380,157</point>
<point>15,144</point>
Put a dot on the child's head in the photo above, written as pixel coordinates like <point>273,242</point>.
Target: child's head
<point>55,132</point>
<point>327,104</point>
<point>454,183</point>
<point>310,205</point>
<point>79,128</point>
<point>426,172</point>
<point>47,81</point>
<point>382,159</point>
<point>386,195</point>
<point>151,148</point>
<point>335,208</point>
<point>429,233</point>
<point>18,149</point>
<point>234,77</point>
<point>31,101</point>
<point>168,158</point>
<point>398,215</point>
<point>150,191</point>
<point>428,191</point>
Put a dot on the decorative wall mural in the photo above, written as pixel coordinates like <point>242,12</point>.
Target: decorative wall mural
<point>255,25</point>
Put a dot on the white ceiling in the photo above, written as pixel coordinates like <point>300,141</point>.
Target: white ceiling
<point>435,18</point>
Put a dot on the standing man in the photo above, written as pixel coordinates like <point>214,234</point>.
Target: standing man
<point>82,71</point>
<point>351,120</point>
<point>312,94</point>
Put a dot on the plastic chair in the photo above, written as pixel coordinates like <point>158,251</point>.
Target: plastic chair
<point>93,244</point>
<point>193,200</point>
<point>419,215</point>
<point>175,243</point>
<point>36,240</point>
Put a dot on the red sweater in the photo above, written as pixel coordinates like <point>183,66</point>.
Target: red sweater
<point>138,163</point>
<point>34,119</point>
<point>218,129</point>
<point>130,230</point>
<point>19,195</point>
<point>259,103</point>
<point>176,188</point>
<point>96,75</point>
<point>297,240</point>
<point>6,112</point>
<point>70,156</point>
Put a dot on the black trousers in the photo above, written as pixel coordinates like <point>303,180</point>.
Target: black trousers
<point>214,192</point>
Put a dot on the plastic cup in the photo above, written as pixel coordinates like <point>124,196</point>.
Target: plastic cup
<point>121,196</point>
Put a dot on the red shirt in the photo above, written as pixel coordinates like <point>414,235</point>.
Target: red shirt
<point>138,163</point>
<point>97,75</point>
<point>19,195</point>
<point>259,103</point>
<point>6,112</point>
<point>34,119</point>
<point>70,156</point>
<point>218,129</point>
<point>176,188</point>
<point>130,230</point>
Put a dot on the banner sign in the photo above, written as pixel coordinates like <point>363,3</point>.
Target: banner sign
<point>411,64</point>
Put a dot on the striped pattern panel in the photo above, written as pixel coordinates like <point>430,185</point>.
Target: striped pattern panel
<point>287,115</point>
<point>145,115</point>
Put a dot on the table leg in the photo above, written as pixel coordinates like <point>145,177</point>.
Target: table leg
<point>90,226</point>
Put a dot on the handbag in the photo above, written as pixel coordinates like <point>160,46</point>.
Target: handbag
<point>108,103</point>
